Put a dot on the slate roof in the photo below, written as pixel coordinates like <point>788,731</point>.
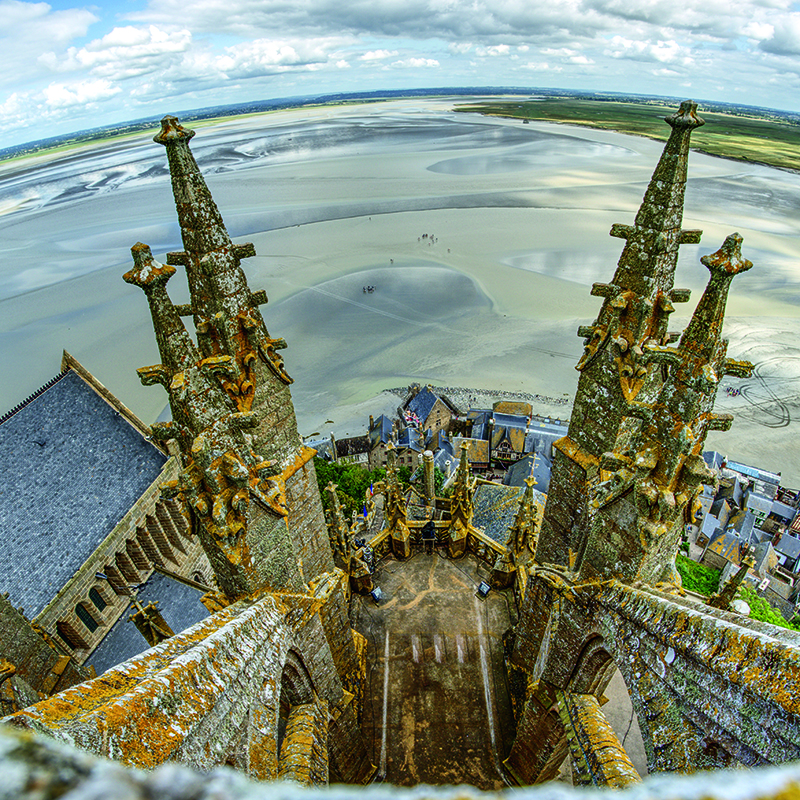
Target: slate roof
<point>480,422</point>
<point>510,427</point>
<point>422,403</point>
<point>786,513</point>
<point>541,435</point>
<point>713,459</point>
<point>380,431</point>
<point>725,544</point>
<point>353,446</point>
<point>764,557</point>
<point>789,546</point>
<point>495,509</point>
<point>409,439</point>
<point>537,465</point>
<point>710,524</point>
<point>178,603</point>
<point>477,449</point>
<point>755,472</point>
<point>746,525</point>
<point>758,502</point>
<point>72,468</point>
<point>516,407</point>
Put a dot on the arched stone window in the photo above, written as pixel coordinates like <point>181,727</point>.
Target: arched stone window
<point>85,616</point>
<point>297,689</point>
<point>97,598</point>
<point>70,636</point>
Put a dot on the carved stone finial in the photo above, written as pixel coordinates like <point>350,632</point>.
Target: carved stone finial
<point>146,270</point>
<point>728,259</point>
<point>686,116</point>
<point>172,130</point>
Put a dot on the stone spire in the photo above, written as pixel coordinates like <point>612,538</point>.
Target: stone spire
<point>460,507</point>
<point>620,368</point>
<point>179,355</point>
<point>396,513</point>
<point>222,476</point>
<point>523,535</point>
<point>648,260</point>
<point>667,470</point>
<point>226,313</point>
<point>338,530</point>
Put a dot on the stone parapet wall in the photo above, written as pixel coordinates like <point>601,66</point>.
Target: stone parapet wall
<point>37,661</point>
<point>184,700</point>
<point>710,688</point>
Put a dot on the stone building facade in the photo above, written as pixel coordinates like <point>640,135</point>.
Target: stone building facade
<point>91,522</point>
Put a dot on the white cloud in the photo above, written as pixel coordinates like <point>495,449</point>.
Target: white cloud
<point>663,51</point>
<point>541,66</point>
<point>216,51</point>
<point>123,53</point>
<point>494,50</point>
<point>406,63</point>
<point>377,55</point>
<point>62,95</point>
<point>29,29</point>
<point>785,39</point>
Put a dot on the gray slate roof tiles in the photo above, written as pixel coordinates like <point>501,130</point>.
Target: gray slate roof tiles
<point>178,603</point>
<point>422,403</point>
<point>72,468</point>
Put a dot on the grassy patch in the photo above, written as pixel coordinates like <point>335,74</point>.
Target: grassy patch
<point>743,138</point>
<point>696,577</point>
<point>761,610</point>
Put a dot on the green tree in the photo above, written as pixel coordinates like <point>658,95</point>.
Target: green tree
<point>352,481</point>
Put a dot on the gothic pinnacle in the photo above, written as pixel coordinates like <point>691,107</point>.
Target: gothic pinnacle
<point>175,346</point>
<point>703,335</point>
<point>202,228</point>
<point>648,261</point>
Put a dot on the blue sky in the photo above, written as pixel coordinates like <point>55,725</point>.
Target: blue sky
<point>66,65</point>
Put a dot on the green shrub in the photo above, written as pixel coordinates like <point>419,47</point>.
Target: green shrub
<point>761,610</point>
<point>696,577</point>
<point>352,481</point>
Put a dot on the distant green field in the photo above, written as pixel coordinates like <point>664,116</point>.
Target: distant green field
<point>744,138</point>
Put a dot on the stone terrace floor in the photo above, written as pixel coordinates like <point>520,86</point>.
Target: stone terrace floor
<point>436,705</point>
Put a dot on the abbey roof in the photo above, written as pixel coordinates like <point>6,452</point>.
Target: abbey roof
<point>72,466</point>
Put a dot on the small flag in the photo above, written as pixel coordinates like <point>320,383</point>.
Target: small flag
<point>365,511</point>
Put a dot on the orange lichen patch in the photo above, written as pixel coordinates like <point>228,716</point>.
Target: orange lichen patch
<point>598,757</point>
<point>740,655</point>
<point>127,697</point>
<point>573,451</point>
<point>302,457</point>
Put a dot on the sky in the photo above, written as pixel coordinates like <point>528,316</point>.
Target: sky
<point>66,66</point>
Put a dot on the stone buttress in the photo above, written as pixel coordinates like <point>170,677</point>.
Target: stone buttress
<point>246,478</point>
<point>624,479</point>
<point>614,369</point>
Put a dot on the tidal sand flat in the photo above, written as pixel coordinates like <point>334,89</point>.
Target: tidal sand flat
<point>481,238</point>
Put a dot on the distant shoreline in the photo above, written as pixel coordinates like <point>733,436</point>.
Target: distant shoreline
<point>769,140</point>
<point>461,396</point>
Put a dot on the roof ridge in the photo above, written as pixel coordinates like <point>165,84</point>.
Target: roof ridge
<point>38,393</point>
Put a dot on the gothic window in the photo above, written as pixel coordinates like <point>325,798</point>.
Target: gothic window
<point>85,616</point>
<point>97,599</point>
<point>70,635</point>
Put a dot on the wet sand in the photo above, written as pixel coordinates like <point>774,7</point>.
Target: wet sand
<point>338,199</point>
